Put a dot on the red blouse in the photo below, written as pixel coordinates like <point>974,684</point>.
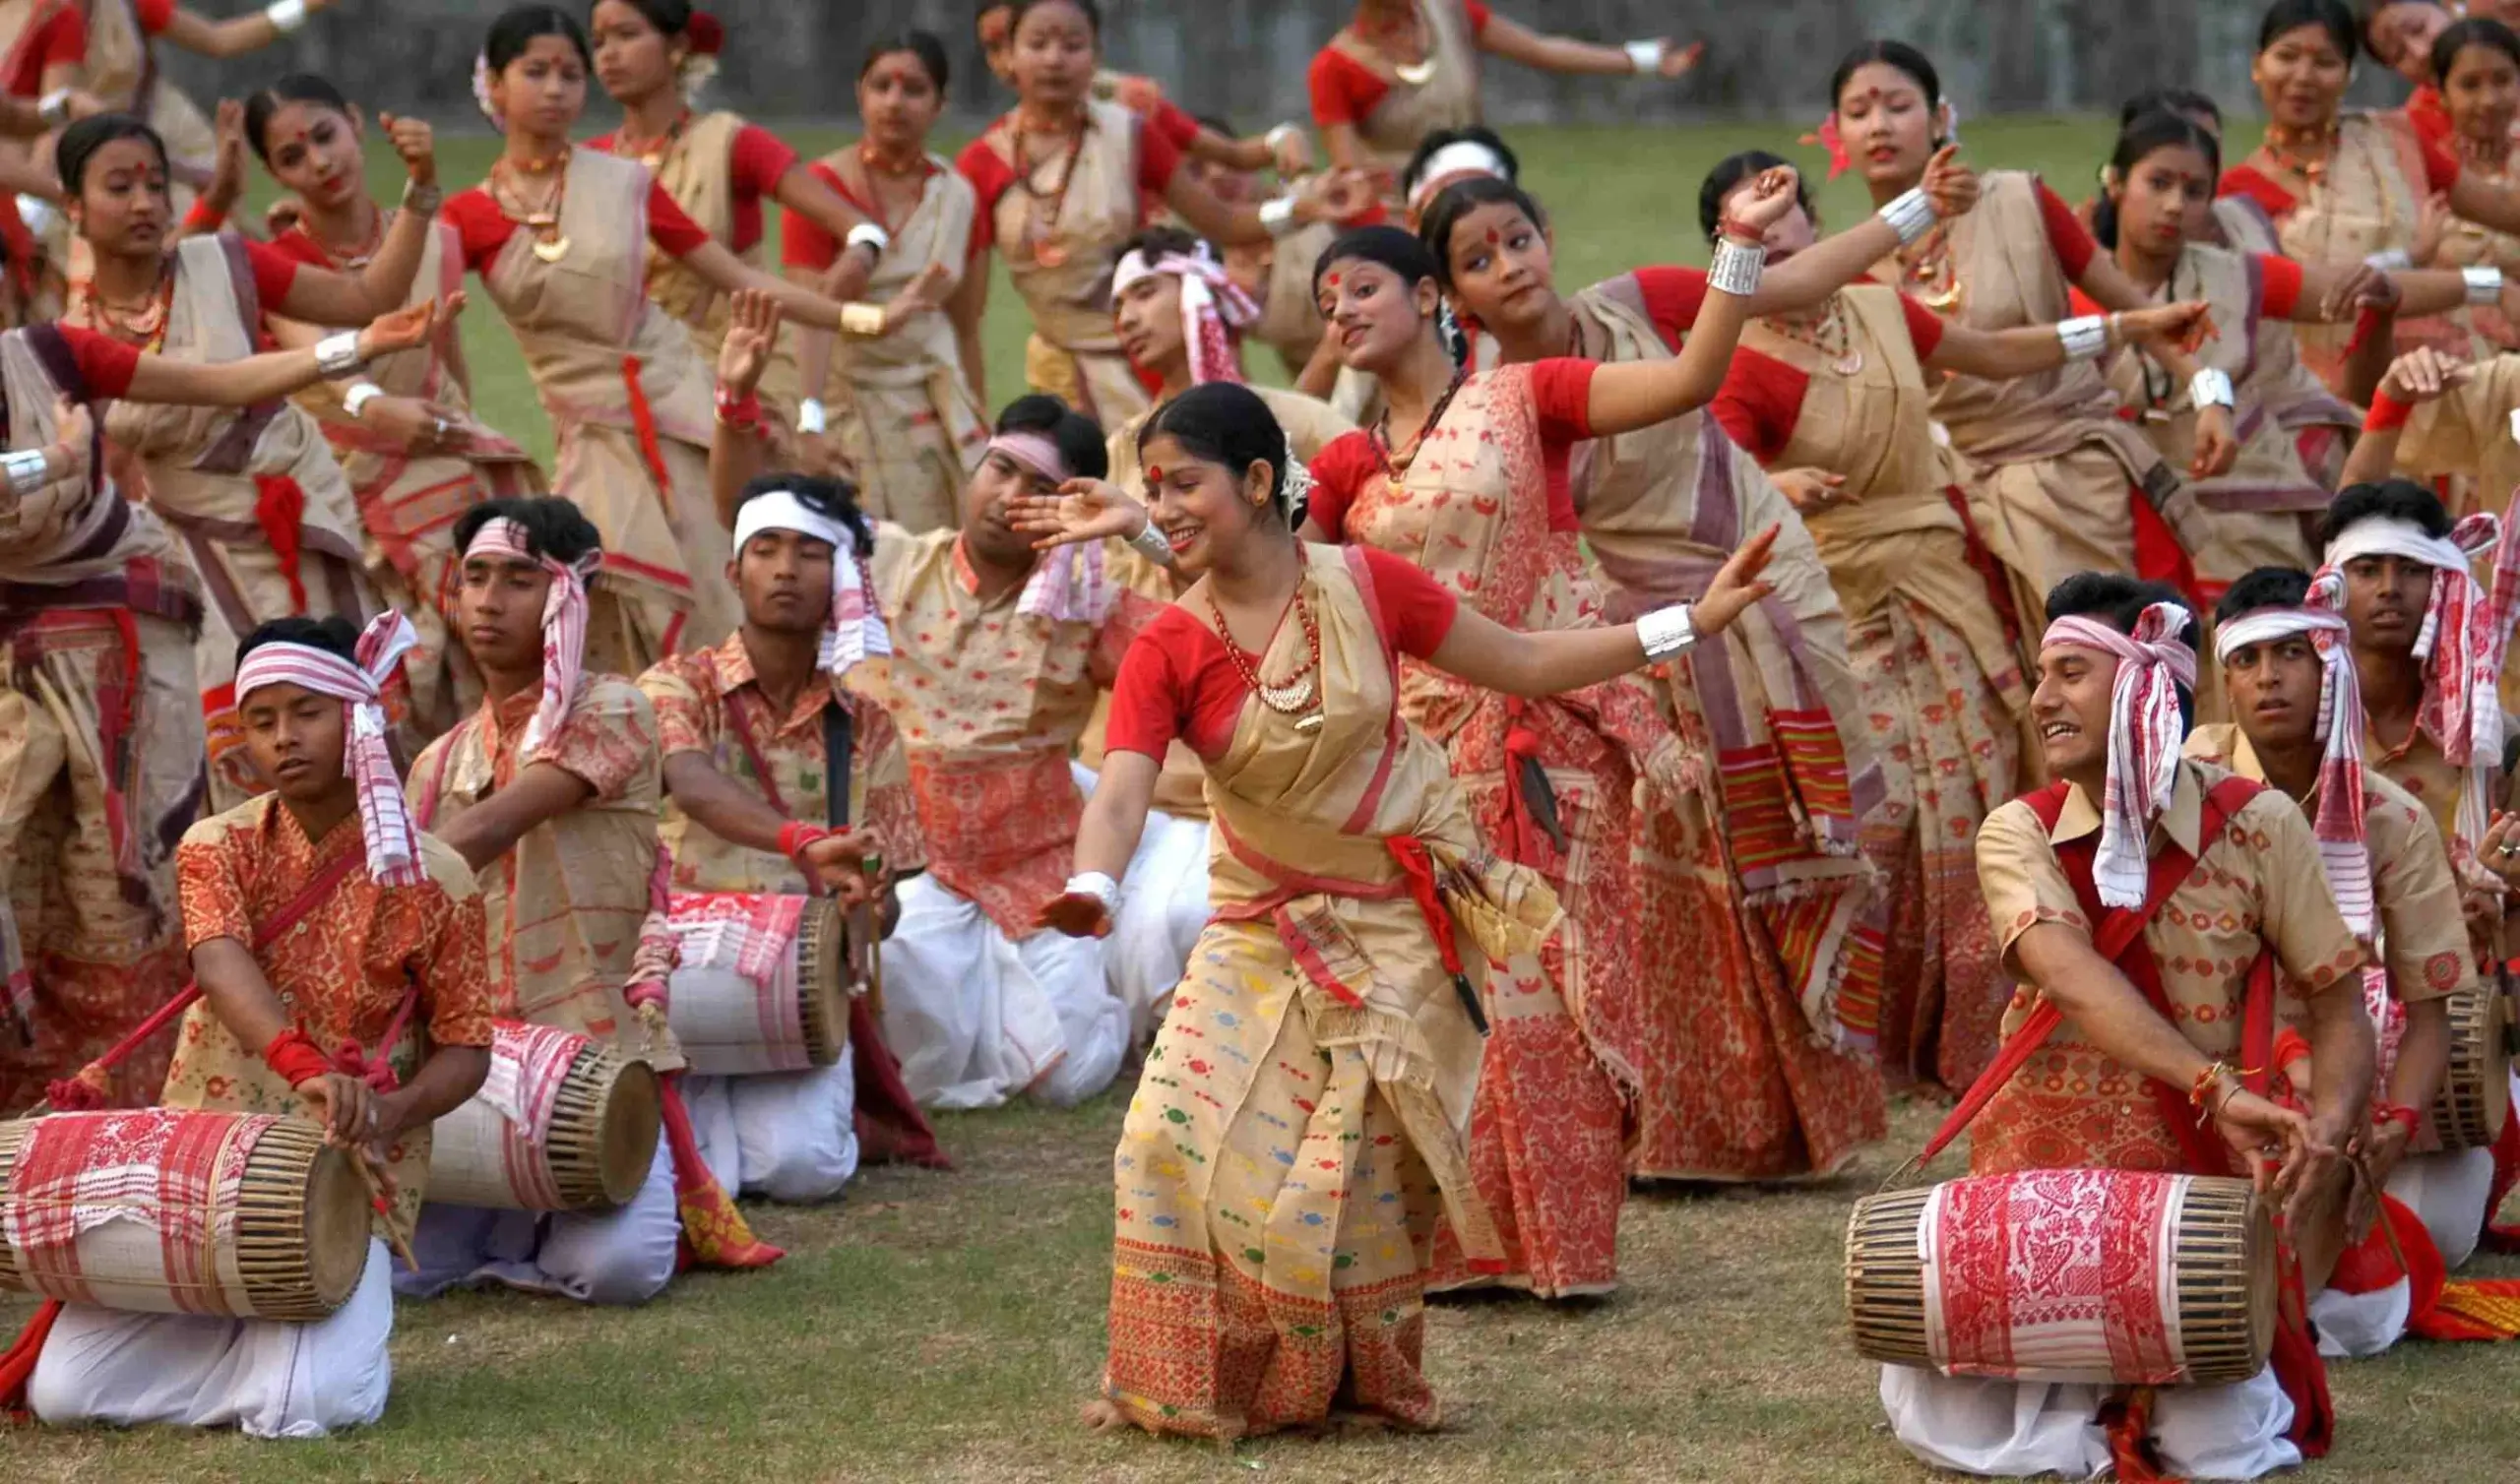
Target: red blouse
<point>758,160</point>
<point>992,177</point>
<point>59,40</point>
<point>105,364</point>
<point>1561,393</point>
<point>2440,172</point>
<point>485,228</point>
<point>802,242</point>
<point>1761,402</point>
<point>1178,681</point>
<point>1344,90</point>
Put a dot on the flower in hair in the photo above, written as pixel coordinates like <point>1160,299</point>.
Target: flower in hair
<point>1294,486</point>
<point>482,91</point>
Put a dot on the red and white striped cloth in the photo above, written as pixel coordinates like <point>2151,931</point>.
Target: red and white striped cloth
<point>1071,584</point>
<point>1215,310</point>
<point>175,1171</point>
<point>751,934</point>
<point>564,624</point>
<point>2344,858</point>
<point>856,631</point>
<point>529,1065</point>
<point>385,822</point>
<point>2144,733</point>
<point>2061,1275</point>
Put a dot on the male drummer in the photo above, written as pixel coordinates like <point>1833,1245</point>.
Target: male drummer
<point>551,793</point>
<point>340,956</point>
<point>2287,669</point>
<point>2142,1073</point>
<point>753,734</point>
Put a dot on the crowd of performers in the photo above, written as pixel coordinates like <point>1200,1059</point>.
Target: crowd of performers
<point>1575,737</point>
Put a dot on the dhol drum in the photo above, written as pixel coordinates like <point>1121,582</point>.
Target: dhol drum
<point>2476,1088</point>
<point>563,1123</point>
<point>763,982</point>
<point>2099,1277</point>
<point>169,1210</point>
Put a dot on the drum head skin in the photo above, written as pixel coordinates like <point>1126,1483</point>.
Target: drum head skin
<point>337,1219</point>
<point>633,1114</point>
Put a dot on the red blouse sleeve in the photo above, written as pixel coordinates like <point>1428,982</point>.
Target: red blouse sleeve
<point>1761,402</point>
<point>2440,167</point>
<point>668,225</point>
<point>1158,157</point>
<point>1673,297</point>
<point>759,159</point>
<point>1344,89</point>
<point>1338,474</point>
<point>2082,303</point>
<point>802,242</point>
<point>1418,612</point>
<point>63,42</point>
<point>1924,327</point>
<point>1563,396</point>
<point>2067,237</point>
<point>2279,285</point>
<point>990,177</point>
<point>296,244</point>
<point>1175,123</point>
<point>105,364</point>
<point>2240,181</point>
<point>1146,704</point>
<point>479,225</point>
<point>1479,15</point>
<point>274,271</point>
<point>153,16</point>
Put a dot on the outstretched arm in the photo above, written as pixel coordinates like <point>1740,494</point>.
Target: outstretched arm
<point>1950,189</point>
<point>276,374</point>
<point>1518,44</point>
<point>324,297</point>
<point>2417,377</point>
<point>237,34</point>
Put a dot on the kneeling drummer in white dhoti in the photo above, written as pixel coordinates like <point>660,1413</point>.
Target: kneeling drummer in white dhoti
<point>556,1178</point>
<point>2165,918</point>
<point>338,952</point>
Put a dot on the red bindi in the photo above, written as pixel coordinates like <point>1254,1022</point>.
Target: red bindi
<point>1333,280</point>
<point>1154,473</point>
<point>1495,237</point>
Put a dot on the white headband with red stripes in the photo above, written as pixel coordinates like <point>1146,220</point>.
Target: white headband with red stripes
<point>392,844</point>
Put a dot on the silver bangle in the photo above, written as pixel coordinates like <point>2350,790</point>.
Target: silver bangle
<point>2210,388</point>
<point>1646,56</point>
<point>54,109</point>
<point>2394,260</point>
<point>868,234</point>
<point>1277,215</point>
<point>354,400</point>
<point>2484,284</point>
<point>337,355</point>
<point>1736,268</point>
<point>1094,884</point>
<point>26,468</point>
<point>286,16</point>
<point>1276,138</point>
<point>2085,337</point>
<point>422,200</point>
<point>1151,544</point>
<point>1665,632</point>
<point>1911,216</point>
<point>810,416</point>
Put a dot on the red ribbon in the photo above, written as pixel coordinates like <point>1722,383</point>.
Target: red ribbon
<point>643,417</point>
<point>1418,867</point>
<point>280,508</point>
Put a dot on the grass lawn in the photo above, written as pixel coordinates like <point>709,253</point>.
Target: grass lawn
<point>948,1325</point>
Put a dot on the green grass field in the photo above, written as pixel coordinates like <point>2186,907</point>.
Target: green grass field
<point>947,1326</point>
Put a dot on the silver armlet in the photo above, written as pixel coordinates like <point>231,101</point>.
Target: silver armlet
<point>2210,388</point>
<point>26,469</point>
<point>1736,268</point>
<point>1277,215</point>
<point>2085,337</point>
<point>1149,543</point>
<point>1094,884</point>
<point>1665,632</point>
<point>2484,284</point>
<point>1911,216</point>
<point>337,355</point>
<point>810,416</point>
<point>286,16</point>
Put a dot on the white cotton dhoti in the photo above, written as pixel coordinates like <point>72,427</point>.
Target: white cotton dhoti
<point>2013,1429</point>
<point>1163,909</point>
<point>978,1019</point>
<point>2447,1192</point>
<point>273,1380</point>
<point>624,1256</point>
<point>2360,1325</point>
<point>789,1135</point>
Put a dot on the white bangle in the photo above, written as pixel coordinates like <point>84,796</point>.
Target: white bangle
<point>337,355</point>
<point>1665,632</point>
<point>2394,260</point>
<point>1277,215</point>
<point>286,16</point>
<point>1736,270</point>
<point>37,214</point>
<point>360,393</point>
<point>1646,56</point>
<point>1151,544</point>
<point>2210,388</point>
<point>868,234</point>
<point>2085,337</point>
<point>2484,284</point>
<point>54,109</point>
<point>810,416</point>
<point>1276,138</point>
<point>1911,216</point>
<point>26,470</point>
<point>1094,884</point>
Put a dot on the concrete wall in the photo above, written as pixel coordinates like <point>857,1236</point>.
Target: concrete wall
<point>1244,59</point>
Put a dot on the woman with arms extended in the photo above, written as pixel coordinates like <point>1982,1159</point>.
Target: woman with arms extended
<point>560,238</point>
<point>404,433</point>
<point>2478,61</point>
<point>1300,1126</point>
<point>2056,482</point>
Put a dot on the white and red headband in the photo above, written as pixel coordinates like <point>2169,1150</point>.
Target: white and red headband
<point>385,824</point>
<point>2342,857</point>
<point>564,623</point>
<point>1215,310</point>
<point>1070,584</point>
<point>1461,159</point>
<point>2144,732</point>
<point>856,629</point>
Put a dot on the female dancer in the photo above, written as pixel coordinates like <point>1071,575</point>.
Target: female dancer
<point>2349,187</point>
<point>1280,1172</point>
<point>904,411</point>
<point>405,434</point>
<point>255,497</point>
<point>120,68</point>
<point>2478,62</point>
<point>2058,485</point>
<point>1061,182</point>
<point>653,57</point>
<point>1777,702</point>
<point>1836,391</point>
<point>560,238</point>
<point>1400,69</point>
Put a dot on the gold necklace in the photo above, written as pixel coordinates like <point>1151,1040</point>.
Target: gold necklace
<point>1832,334</point>
<point>1297,697</point>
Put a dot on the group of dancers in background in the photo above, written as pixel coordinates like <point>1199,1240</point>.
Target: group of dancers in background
<point>1569,737</point>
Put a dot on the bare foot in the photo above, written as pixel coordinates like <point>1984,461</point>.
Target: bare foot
<point>1102,1416</point>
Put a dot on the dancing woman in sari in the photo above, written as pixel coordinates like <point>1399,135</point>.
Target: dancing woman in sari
<point>255,495</point>
<point>2478,61</point>
<point>1300,1123</point>
<point>560,238</point>
<point>118,67</point>
<point>404,434</point>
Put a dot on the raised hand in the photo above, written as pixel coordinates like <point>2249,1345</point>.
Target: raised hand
<point>1085,510</point>
<point>1333,196</point>
<point>227,170</point>
<point>2186,325</point>
<point>1953,187</point>
<point>923,294</point>
<point>1737,585</point>
<point>2358,288</point>
<point>1681,61</point>
<point>413,140</point>
<point>1292,155</point>
<point>2431,225</point>
<point>408,327</point>
<point>1775,192</point>
<point>413,425</point>
<point>2423,374</point>
<point>752,329</point>
<point>1078,915</point>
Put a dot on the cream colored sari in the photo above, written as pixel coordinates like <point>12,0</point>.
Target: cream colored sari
<point>1409,112</point>
<point>1063,267</point>
<point>1302,1119</point>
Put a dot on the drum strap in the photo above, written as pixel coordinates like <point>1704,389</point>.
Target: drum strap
<point>840,751</point>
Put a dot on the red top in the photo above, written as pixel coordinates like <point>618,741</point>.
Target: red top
<point>1178,681</point>
<point>105,364</point>
<point>485,228</point>
<point>154,15</point>
<point>1344,90</point>
<point>755,165</point>
<point>2441,173</point>
<point>802,242</point>
<point>59,40</point>
<point>2067,237</point>
<point>274,271</point>
<point>1561,396</point>
<point>2279,288</point>
<point>2430,116</point>
<point>1173,123</point>
<point>993,177</point>
<point>1762,398</point>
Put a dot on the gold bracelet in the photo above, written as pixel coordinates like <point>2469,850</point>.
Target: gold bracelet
<point>862,318</point>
